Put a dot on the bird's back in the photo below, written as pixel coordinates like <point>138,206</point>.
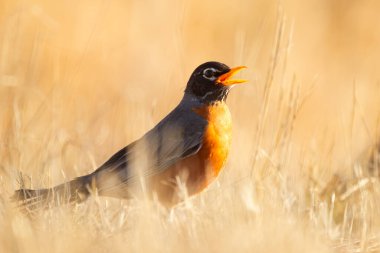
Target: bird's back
<point>195,172</point>
<point>186,150</point>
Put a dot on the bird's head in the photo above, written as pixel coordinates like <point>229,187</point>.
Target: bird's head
<point>211,81</point>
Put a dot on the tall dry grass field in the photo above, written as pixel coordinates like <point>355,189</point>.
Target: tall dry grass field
<point>79,80</point>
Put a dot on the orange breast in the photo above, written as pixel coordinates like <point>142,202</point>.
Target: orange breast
<point>217,139</point>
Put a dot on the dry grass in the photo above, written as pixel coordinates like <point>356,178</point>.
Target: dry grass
<point>80,80</point>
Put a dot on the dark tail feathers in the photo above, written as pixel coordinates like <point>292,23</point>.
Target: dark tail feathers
<point>74,191</point>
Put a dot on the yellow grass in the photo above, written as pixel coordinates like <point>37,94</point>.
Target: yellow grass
<point>79,80</point>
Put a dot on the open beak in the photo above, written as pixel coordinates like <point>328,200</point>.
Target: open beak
<point>226,80</point>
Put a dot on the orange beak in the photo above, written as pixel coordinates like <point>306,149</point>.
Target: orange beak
<point>226,80</point>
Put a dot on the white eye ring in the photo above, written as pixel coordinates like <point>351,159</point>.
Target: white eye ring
<point>211,78</point>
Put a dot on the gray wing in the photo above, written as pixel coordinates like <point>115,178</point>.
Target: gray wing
<point>177,136</point>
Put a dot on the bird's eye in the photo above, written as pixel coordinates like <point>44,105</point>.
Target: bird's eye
<point>209,73</point>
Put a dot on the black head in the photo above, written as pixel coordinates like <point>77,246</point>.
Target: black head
<point>210,82</point>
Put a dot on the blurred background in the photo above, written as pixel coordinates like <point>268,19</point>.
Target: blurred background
<point>95,75</point>
<point>79,80</point>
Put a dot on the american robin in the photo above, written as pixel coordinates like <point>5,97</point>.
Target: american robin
<point>179,157</point>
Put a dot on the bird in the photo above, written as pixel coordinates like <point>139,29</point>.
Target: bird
<point>178,158</point>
